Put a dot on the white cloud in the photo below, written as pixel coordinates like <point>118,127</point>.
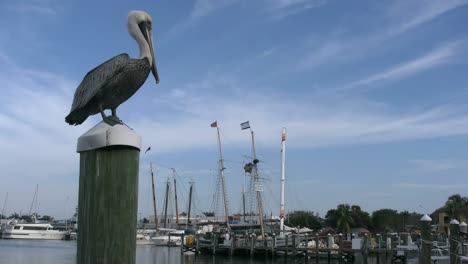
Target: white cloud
<point>279,9</point>
<point>433,165</point>
<point>439,56</point>
<point>431,186</point>
<point>411,14</point>
<point>401,19</point>
<point>310,122</point>
<point>201,8</point>
<point>33,9</point>
<point>204,7</point>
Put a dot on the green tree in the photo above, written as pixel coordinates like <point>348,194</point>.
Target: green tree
<point>331,218</point>
<point>385,220</point>
<point>14,215</point>
<point>456,206</point>
<point>46,218</point>
<point>304,219</point>
<point>209,213</point>
<point>360,218</point>
<point>344,220</point>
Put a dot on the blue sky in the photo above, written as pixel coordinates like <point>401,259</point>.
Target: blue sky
<point>373,94</point>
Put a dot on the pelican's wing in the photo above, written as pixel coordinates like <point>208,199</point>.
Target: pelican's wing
<point>96,79</point>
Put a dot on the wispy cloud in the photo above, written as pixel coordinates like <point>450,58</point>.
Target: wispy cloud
<point>439,56</point>
<point>313,122</point>
<point>37,146</point>
<point>33,9</point>
<point>431,186</point>
<point>434,165</point>
<point>201,8</point>
<point>400,19</point>
<point>279,9</point>
<point>411,14</point>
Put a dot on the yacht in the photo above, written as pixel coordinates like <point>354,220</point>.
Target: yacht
<point>16,230</point>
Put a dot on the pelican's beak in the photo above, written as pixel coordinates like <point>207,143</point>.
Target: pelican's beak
<point>154,69</point>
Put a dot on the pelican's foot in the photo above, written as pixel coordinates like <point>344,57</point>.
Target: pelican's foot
<point>112,120</point>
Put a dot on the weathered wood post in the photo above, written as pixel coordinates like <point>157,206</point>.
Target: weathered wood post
<point>108,194</point>
<point>426,239</point>
<point>215,242</point>
<point>252,244</point>
<point>454,237</point>
<point>294,245</point>
<point>340,254</point>
<point>273,245</point>
<point>317,252</point>
<point>463,229</point>
<point>233,244</point>
<point>365,249</point>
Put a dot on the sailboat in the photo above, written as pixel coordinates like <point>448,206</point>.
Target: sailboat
<point>167,236</point>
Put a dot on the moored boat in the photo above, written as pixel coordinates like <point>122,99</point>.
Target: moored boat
<point>15,230</point>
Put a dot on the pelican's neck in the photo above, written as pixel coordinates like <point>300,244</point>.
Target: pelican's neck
<point>135,32</point>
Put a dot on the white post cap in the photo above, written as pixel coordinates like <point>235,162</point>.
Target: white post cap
<point>425,218</point>
<point>462,224</point>
<point>104,135</point>
<point>454,222</point>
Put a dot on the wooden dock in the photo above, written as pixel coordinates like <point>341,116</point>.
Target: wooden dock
<point>290,246</point>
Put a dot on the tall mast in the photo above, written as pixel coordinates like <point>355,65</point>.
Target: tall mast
<point>175,196</point>
<point>4,205</point>
<point>154,199</point>
<point>189,205</point>
<point>221,170</point>
<point>243,198</point>
<point>257,182</point>
<point>165,203</point>
<point>283,178</point>
<point>34,201</point>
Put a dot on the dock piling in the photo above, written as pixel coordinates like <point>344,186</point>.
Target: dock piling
<point>426,239</point>
<point>454,237</point>
<point>108,194</point>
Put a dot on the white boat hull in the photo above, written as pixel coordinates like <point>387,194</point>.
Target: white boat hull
<point>14,230</point>
<point>40,235</point>
<point>164,241</point>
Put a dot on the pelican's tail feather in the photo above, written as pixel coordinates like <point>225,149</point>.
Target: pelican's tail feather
<point>76,117</point>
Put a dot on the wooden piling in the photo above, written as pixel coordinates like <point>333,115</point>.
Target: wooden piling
<point>215,242</point>
<point>233,244</point>
<point>426,238</point>
<point>108,195</point>
<point>365,250</point>
<point>317,252</point>
<point>252,244</point>
<point>273,245</point>
<point>294,251</point>
<point>454,237</point>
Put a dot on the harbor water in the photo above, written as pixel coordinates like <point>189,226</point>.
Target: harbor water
<point>64,252</point>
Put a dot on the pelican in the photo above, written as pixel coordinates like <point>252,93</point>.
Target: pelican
<point>116,80</point>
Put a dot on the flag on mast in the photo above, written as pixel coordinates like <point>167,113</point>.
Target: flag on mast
<point>245,125</point>
<point>214,124</point>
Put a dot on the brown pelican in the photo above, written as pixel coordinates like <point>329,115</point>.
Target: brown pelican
<point>116,80</point>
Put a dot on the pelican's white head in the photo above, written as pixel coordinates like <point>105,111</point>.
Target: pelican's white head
<point>140,26</point>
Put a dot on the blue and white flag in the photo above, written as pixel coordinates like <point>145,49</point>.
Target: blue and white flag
<point>245,125</point>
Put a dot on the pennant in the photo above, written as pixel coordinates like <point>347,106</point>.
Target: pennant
<point>149,148</point>
<point>214,124</point>
<point>245,125</point>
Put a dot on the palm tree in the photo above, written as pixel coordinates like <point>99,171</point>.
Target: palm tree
<point>344,219</point>
<point>456,205</point>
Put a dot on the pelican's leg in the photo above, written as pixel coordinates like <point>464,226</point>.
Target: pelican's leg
<point>114,116</point>
<point>109,120</point>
